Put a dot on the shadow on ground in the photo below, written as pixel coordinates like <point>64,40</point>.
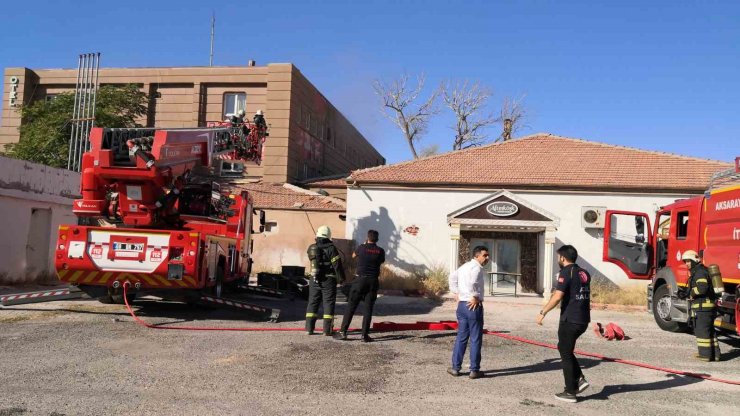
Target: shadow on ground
<point>671,381</point>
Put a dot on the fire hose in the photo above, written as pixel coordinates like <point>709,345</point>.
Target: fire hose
<point>434,326</point>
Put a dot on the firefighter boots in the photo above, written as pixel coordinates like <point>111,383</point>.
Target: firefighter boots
<point>310,323</point>
<point>328,326</point>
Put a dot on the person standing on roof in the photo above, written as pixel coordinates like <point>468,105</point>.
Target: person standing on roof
<point>326,272</point>
<point>574,291</point>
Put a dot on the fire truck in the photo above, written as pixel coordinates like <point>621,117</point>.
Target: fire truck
<point>708,224</point>
<point>153,215</point>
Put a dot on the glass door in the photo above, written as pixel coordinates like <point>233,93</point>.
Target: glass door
<point>505,258</point>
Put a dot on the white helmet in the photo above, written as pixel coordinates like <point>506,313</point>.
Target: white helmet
<point>240,113</point>
<point>690,255</point>
<point>323,232</point>
<point>258,113</point>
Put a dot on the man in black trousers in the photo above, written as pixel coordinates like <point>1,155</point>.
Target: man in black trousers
<point>574,290</point>
<point>365,286</point>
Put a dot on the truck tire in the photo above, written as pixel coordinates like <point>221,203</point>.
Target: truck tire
<point>662,308</point>
<point>220,287</point>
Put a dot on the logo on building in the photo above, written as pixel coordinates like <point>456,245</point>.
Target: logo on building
<point>502,208</point>
<point>13,94</point>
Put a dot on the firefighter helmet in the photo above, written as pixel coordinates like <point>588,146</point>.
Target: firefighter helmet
<point>258,113</point>
<point>690,255</point>
<point>323,232</point>
<point>240,113</point>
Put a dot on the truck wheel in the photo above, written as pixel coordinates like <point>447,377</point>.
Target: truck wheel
<point>662,308</point>
<point>219,288</point>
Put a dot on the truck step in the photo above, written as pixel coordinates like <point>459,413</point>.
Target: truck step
<point>41,296</point>
<point>725,325</point>
<point>272,314</point>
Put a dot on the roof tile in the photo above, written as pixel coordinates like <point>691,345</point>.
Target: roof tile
<point>547,161</point>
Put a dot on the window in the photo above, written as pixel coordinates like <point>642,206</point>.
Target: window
<point>682,226</point>
<point>233,102</point>
<point>50,97</point>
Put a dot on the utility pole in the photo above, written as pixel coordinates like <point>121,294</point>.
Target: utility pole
<point>213,28</point>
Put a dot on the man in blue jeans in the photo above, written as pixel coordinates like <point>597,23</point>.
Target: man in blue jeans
<point>467,282</point>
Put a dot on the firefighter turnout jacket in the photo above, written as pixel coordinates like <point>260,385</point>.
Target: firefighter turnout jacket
<point>326,262</point>
<point>700,289</point>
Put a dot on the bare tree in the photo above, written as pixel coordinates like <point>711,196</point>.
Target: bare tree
<point>399,105</point>
<point>513,115</point>
<point>468,102</point>
<point>431,150</point>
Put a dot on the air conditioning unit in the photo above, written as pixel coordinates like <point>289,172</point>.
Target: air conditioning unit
<point>229,168</point>
<point>593,217</point>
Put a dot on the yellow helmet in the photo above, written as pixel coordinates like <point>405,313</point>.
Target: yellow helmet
<point>690,255</point>
<point>324,232</point>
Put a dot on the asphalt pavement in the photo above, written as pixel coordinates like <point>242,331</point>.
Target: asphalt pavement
<point>86,358</point>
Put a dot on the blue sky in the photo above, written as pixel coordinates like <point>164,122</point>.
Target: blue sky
<point>658,75</point>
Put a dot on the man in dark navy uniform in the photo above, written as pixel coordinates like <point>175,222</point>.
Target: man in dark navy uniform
<point>365,286</point>
<point>574,290</point>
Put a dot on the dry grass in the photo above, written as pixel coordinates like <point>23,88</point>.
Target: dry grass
<point>610,294</point>
<point>390,280</point>
<point>428,282</point>
<point>435,282</point>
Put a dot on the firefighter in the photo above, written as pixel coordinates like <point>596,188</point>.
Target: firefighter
<point>237,119</point>
<point>326,272</point>
<point>259,119</point>
<point>702,298</point>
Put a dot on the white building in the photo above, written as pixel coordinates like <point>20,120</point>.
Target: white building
<point>34,200</point>
<point>522,199</point>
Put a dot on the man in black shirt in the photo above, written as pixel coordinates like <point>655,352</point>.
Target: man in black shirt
<point>365,286</point>
<point>574,291</point>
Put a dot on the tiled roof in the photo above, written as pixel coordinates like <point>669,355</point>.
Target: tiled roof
<point>333,181</point>
<point>547,161</point>
<point>280,196</point>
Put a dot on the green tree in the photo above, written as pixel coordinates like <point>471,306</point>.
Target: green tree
<point>46,125</point>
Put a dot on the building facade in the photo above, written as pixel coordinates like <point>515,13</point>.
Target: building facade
<point>308,138</point>
<point>522,199</point>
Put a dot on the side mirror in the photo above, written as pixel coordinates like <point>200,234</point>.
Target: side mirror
<point>262,218</point>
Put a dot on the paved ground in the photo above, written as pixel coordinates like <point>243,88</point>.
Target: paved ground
<point>87,358</point>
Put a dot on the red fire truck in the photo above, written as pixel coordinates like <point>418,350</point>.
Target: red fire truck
<point>153,215</point>
<point>708,224</point>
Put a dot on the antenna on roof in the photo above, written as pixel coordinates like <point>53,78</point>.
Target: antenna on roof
<point>213,29</point>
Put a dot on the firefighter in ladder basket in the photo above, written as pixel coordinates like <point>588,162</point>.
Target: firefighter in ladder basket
<point>326,272</point>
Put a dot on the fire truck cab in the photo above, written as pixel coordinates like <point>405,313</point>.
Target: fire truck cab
<point>708,224</point>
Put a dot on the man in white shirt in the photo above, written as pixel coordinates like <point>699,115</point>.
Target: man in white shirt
<point>467,282</point>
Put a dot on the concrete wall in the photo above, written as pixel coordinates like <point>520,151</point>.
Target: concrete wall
<point>391,211</point>
<point>289,233</point>
<point>34,201</point>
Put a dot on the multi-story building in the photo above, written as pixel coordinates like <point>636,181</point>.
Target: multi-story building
<point>308,138</point>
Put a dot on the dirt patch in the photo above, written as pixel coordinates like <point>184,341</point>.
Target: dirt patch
<point>317,364</point>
